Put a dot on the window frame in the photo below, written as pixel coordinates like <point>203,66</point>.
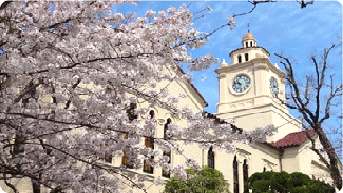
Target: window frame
<point>149,142</point>
<point>245,174</point>
<point>210,158</point>
<point>246,56</point>
<point>235,176</point>
<point>165,153</point>
<point>125,160</point>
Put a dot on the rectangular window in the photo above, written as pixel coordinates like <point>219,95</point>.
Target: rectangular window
<point>164,172</point>
<point>149,142</point>
<point>108,155</point>
<point>125,160</point>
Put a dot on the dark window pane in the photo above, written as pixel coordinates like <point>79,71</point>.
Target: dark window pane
<point>245,174</point>
<point>235,176</point>
<point>164,172</point>
<point>210,158</point>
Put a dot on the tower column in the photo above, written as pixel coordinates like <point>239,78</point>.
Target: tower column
<point>260,80</point>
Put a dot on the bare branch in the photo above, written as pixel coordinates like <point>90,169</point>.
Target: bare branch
<point>308,115</point>
<point>254,3</point>
<point>304,4</point>
<point>301,101</point>
<point>335,93</point>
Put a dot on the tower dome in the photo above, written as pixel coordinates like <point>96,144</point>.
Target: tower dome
<point>248,36</point>
<point>249,50</point>
<point>248,40</point>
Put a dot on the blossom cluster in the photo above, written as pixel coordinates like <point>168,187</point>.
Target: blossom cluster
<point>69,71</point>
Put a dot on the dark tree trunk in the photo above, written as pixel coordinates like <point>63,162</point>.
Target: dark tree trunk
<point>300,98</point>
<point>334,171</point>
<point>35,186</point>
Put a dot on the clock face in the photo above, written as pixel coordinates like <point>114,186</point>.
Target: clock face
<point>240,83</point>
<point>274,85</point>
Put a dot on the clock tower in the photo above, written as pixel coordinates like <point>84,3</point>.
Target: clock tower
<point>251,90</point>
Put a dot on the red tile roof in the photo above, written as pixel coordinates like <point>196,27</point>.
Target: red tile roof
<point>293,139</point>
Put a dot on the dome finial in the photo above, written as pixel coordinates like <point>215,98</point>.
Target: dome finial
<point>248,28</point>
<point>223,64</point>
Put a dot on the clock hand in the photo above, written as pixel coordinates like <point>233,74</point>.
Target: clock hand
<point>243,83</point>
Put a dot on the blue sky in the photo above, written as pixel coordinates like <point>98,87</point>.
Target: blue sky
<point>280,27</point>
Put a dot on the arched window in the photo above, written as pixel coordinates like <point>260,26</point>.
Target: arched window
<point>251,44</point>
<point>239,58</point>
<point>166,153</point>
<point>210,158</point>
<point>245,174</point>
<point>235,176</point>
<point>152,114</point>
<point>246,44</point>
<point>246,56</point>
<point>125,160</point>
<point>131,111</point>
<point>264,169</point>
<point>32,93</point>
<point>149,142</point>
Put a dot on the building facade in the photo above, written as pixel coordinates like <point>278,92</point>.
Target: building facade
<point>251,91</point>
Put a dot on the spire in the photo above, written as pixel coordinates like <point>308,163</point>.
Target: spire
<point>248,28</point>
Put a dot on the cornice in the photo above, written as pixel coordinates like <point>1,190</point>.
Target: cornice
<point>257,63</point>
<point>250,48</point>
<point>243,151</point>
<point>233,67</point>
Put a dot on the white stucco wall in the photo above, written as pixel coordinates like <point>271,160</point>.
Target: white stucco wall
<point>290,160</point>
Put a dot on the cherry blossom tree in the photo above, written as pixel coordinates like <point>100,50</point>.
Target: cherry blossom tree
<point>55,130</point>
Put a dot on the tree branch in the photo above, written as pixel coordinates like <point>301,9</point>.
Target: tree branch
<point>9,184</point>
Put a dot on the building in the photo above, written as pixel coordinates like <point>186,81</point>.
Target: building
<point>250,91</point>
